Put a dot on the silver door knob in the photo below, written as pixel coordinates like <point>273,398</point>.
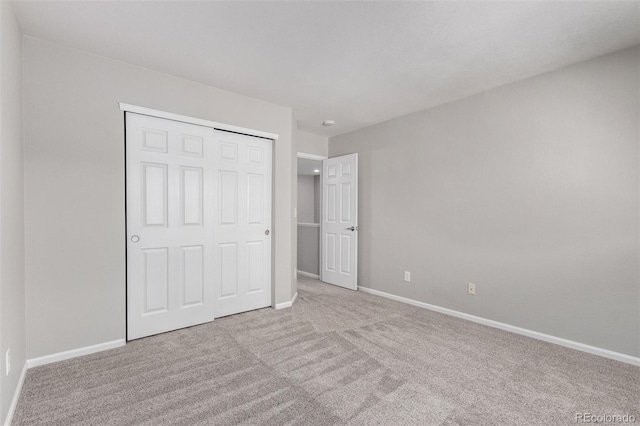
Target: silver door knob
<point>135,238</point>
<point>353,228</point>
<point>266,232</point>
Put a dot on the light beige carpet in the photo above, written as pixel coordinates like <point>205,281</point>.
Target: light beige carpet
<point>336,357</point>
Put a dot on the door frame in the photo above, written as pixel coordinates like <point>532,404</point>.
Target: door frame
<point>124,107</point>
<point>317,157</point>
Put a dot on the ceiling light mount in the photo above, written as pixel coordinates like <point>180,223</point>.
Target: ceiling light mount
<point>328,123</point>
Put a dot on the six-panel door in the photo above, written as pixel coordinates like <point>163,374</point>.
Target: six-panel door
<point>242,223</point>
<point>340,221</point>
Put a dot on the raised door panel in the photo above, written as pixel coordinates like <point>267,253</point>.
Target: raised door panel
<point>345,169</point>
<point>345,254</point>
<point>229,152</point>
<point>255,155</point>
<point>228,197</point>
<point>154,195</point>
<point>255,199</point>
<point>192,197</point>
<point>192,145</point>
<point>155,280</point>
<point>330,252</point>
<point>228,269</point>
<point>192,275</point>
<point>345,202</point>
<point>256,266</point>
<point>331,202</point>
<point>154,140</point>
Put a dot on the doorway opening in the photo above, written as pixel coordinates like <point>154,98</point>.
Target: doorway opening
<point>328,219</point>
<point>309,211</point>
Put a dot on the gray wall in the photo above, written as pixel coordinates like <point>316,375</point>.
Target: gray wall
<point>308,237</point>
<point>12,291</point>
<point>308,249</point>
<point>306,199</point>
<point>74,185</point>
<point>316,199</point>
<point>312,144</point>
<point>530,191</point>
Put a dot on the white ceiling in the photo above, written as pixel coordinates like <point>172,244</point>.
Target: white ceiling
<point>357,63</point>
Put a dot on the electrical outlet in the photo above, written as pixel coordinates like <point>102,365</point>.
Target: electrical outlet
<point>7,361</point>
<point>472,288</point>
<point>407,276</point>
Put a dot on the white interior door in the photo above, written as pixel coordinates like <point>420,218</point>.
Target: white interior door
<point>340,221</point>
<point>170,206</point>
<point>242,223</point>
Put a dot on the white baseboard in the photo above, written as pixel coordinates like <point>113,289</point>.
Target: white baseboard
<point>288,304</point>
<point>308,274</point>
<point>61,356</point>
<point>16,396</point>
<point>283,305</point>
<point>606,353</point>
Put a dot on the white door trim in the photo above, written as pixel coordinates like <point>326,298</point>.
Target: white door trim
<point>199,121</point>
<point>312,156</point>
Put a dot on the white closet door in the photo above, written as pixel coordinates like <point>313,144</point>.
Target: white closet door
<point>170,226</point>
<point>340,221</point>
<point>242,221</point>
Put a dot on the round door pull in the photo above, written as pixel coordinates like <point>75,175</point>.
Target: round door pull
<point>135,238</point>
<point>266,232</point>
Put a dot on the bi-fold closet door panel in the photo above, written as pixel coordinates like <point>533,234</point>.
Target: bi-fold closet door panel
<point>187,239</point>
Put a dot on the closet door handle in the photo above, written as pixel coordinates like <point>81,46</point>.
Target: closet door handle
<point>353,228</point>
